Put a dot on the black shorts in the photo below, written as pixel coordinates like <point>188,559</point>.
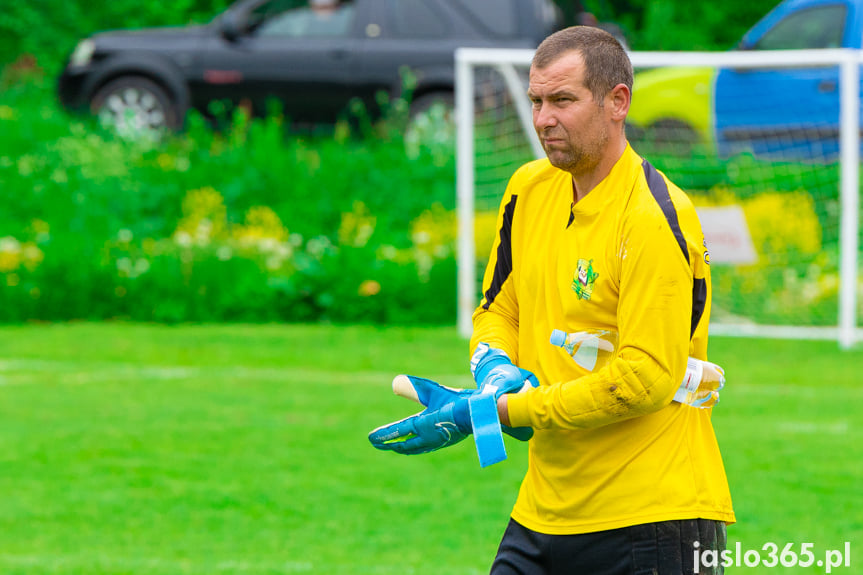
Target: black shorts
<point>663,548</point>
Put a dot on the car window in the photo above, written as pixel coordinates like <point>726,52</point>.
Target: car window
<point>416,19</point>
<point>813,28</point>
<point>303,18</point>
<point>497,16</point>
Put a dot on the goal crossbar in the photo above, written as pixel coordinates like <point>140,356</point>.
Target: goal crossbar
<point>845,332</point>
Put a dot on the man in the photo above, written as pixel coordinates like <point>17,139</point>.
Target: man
<point>621,480</point>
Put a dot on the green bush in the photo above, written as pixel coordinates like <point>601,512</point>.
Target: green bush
<point>253,223</point>
<point>246,224</point>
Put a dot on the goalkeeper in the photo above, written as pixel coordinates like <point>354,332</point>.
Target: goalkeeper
<point>620,479</point>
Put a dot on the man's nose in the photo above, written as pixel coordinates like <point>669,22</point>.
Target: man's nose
<point>543,117</point>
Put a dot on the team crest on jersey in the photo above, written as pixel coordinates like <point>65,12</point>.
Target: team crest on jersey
<point>706,253</point>
<point>585,277</point>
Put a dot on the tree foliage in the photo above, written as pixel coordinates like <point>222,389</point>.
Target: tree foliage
<point>49,29</point>
<point>677,24</point>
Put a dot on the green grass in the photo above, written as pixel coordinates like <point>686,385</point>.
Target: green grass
<point>137,449</point>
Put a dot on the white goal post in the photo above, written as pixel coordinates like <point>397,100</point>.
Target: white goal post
<point>827,275</point>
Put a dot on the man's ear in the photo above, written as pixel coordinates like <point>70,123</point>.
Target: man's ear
<point>617,101</point>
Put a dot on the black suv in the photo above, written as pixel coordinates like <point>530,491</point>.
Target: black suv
<point>314,56</point>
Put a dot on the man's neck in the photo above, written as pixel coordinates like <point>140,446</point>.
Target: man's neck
<point>583,183</point>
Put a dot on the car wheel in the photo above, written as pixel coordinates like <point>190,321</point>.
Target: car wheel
<point>135,106</point>
<point>431,122</point>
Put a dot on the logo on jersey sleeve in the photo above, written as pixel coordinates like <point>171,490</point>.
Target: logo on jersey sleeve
<point>706,253</point>
<point>584,279</point>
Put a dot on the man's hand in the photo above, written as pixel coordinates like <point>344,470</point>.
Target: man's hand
<point>494,372</point>
<point>505,378</point>
<point>446,419</point>
<point>444,422</point>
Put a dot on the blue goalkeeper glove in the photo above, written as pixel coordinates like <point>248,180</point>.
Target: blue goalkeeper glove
<point>444,422</point>
<point>495,373</point>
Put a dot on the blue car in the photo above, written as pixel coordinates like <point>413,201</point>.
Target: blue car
<point>788,112</point>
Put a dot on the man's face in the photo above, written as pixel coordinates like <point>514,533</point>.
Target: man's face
<point>572,127</point>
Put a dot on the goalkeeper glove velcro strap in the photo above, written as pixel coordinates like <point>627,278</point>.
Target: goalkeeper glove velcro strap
<point>486,429</point>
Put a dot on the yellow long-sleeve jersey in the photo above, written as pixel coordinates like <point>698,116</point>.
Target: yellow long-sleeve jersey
<point>610,449</point>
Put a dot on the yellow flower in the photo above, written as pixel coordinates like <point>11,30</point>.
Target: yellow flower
<point>780,223</point>
<point>10,254</point>
<point>32,256</point>
<point>434,231</point>
<point>262,223</point>
<point>786,235</point>
<point>369,288</point>
<point>204,215</point>
<point>8,262</point>
<point>357,226</point>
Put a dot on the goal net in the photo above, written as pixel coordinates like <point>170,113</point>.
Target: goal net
<point>765,144</point>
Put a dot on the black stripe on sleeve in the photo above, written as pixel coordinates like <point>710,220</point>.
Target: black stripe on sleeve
<point>503,265</point>
<point>659,189</point>
<point>660,193</point>
<point>699,300</point>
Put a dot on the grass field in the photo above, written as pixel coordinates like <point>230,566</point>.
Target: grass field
<point>136,449</point>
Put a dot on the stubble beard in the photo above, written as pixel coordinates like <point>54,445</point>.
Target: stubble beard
<point>579,160</point>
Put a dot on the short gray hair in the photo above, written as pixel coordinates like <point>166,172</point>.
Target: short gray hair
<point>606,63</point>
